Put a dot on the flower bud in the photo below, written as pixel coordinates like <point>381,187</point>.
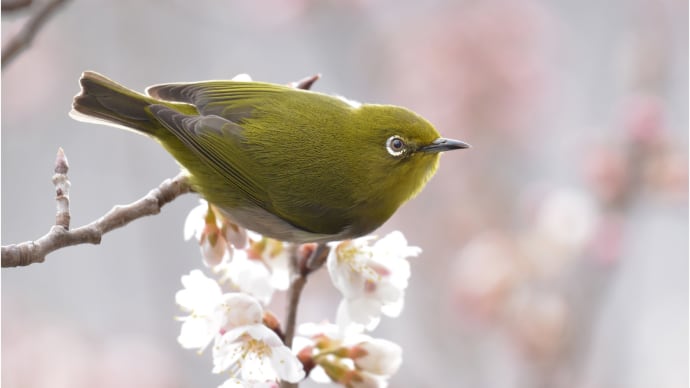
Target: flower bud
<point>365,380</point>
<point>235,235</point>
<point>377,356</point>
<point>213,249</point>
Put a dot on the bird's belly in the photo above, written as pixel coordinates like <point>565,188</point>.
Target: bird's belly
<point>267,224</point>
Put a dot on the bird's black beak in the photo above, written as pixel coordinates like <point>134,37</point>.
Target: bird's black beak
<point>441,144</point>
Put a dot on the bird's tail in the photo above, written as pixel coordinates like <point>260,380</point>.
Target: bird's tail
<point>104,101</point>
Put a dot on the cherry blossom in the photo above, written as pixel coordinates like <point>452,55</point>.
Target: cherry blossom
<point>372,278</point>
<point>243,345</point>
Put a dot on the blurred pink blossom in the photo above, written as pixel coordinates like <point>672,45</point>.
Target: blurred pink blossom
<point>483,275</point>
<point>484,64</point>
<point>643,120</point>
<point>538,322</point>
<point>606,169</point>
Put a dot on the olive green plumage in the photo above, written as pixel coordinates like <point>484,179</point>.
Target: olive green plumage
<point>287,163</point>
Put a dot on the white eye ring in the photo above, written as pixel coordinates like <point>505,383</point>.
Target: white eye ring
<point>395,146</point>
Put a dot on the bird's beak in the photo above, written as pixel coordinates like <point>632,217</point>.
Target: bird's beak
<point>441,144</point>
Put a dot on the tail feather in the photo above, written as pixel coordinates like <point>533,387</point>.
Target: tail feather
<point>107,102</point>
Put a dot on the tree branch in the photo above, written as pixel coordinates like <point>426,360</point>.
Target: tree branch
<point>61,236</point>
<point>26,35</point>
<point>303,261</point>
<point>305,83</point>
<point>14,5</point>
<point>294,293</point>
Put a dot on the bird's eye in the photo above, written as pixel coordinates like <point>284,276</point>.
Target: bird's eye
<point>395,145</point>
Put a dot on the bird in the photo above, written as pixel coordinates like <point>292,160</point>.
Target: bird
<point>291,164</point>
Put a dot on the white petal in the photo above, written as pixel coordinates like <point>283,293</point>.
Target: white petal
<point>253,235</point>
<point>264,334</point>
<point>279,264</point>
<point>232,335</point>
<point>213,255</point>
<point>280,278</point>
<point>226,354</point>
<point>200,295</point>
<point>299,343</point>
<point>364,310</point>
<point>319,375</point>
<point>392,252</point>
<point>385,292</point>
<point>394,245</point>
<point>235,235</point>
<point>394,309</point>
<point>233,383</point>
<point>261,359</point>
<point>400,273</point>
<point>369,381</point>
<point>251,276</point>
<point>346,264</point>
<point>357,315</point>
<point>237,383</point>
<point>256,367</point>
<point>237,310</point>
<point>287,366</point>
<point>196,333</point>
<point>311,329</point>
<point>195,221</point>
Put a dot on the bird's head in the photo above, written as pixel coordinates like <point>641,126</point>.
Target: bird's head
<point>401,150</point>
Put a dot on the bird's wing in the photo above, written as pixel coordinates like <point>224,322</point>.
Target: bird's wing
<point>217,141</point>
<point>232,100</point>
<point>225,107</point>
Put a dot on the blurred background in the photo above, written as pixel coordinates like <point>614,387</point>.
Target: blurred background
<point>555,251</point>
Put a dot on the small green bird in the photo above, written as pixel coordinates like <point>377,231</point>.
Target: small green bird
<point>287,163</point>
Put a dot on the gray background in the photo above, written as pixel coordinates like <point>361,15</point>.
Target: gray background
<point>533,85</point>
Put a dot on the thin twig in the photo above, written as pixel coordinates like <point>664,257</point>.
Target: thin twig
<point>300,268</point>
<point>61,236</point>
<point>62,186</point>
<point>14,5</point>
<point>301,265</point>
<point>297,282</point>
<point>317,258</point>
<point>294,294</point>
<point>305,83</point>
<point>26,35</point>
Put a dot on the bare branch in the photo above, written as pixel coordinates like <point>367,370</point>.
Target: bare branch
<point>14,5</point>
<point>24,38</point>
<point>316,259</point>
<point>294,294</point>
<point>61,236</point>
<point>62,185</point>
<point>303,261</point>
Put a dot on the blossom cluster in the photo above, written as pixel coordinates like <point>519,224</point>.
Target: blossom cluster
<point>228,308</point>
